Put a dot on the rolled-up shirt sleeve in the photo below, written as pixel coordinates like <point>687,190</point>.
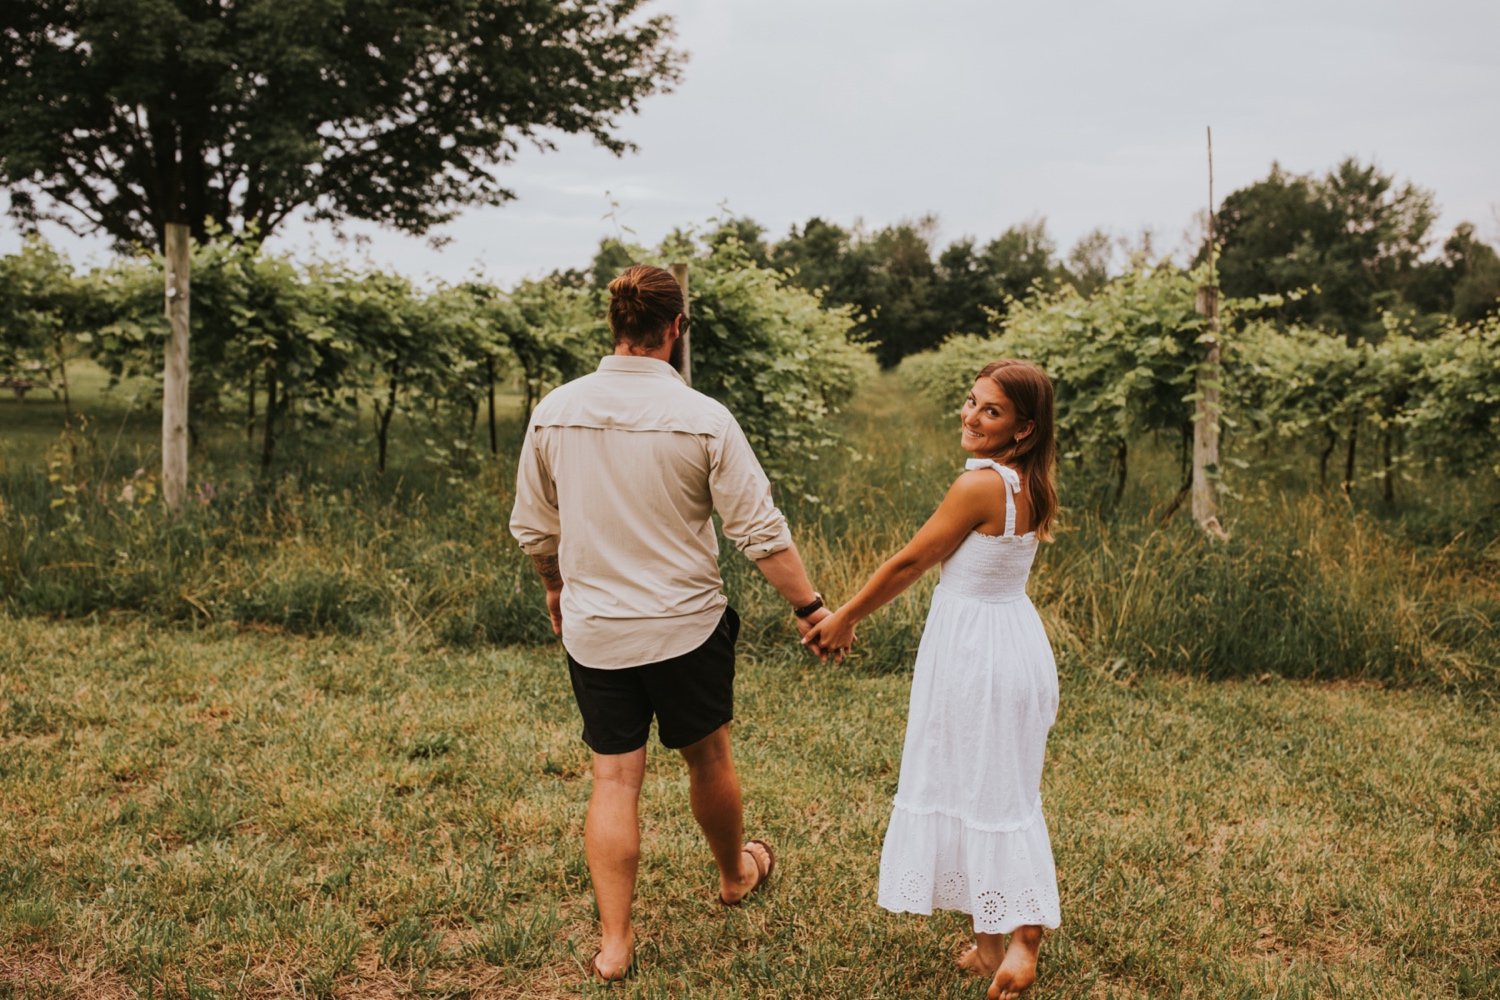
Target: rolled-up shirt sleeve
<point>534,520</point>
<point>742,496</point>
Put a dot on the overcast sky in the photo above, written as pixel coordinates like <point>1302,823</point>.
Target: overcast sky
<point>1085,112</point>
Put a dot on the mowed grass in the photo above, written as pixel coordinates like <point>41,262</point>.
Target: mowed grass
<point>240,813</point>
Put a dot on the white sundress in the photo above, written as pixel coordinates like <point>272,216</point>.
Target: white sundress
<point>966,829</point>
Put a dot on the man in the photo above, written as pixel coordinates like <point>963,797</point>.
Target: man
<point>619,474</point>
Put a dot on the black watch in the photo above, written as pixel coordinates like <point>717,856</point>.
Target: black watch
<point>807,609</point>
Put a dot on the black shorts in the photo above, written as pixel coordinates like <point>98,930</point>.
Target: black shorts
<point>691,695</point>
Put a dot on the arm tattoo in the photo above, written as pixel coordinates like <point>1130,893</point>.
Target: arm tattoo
<point>547,567</point>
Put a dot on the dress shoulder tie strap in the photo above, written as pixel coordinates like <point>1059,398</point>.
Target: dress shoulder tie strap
<point>1012,480</point>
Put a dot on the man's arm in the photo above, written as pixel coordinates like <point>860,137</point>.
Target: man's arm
<point>546,567</point>
<point>784,569</point>
<point>536,524</point>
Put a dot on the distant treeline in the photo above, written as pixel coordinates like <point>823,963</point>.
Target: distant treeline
<point>1357,241</point>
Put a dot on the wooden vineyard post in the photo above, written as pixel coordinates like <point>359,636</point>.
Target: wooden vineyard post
<point>174,404</point>
<point>1206,421</point>
<point>1206,409</point>
<point>680,272</point>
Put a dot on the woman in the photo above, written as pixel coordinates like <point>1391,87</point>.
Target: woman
<point>966,830</point>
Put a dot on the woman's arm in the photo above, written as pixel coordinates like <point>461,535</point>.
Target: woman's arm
<point>970,500</point>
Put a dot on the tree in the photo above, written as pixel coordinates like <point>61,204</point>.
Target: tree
<point>1089,263</point>
<point>132,117</point>
<point>1355,235</point>
<point>41,302</point>
<point>900,296</point>
<point>819,258</point>
<point>964,290</point>
<point>750,235</point>
<point>126,116</point>
<point>1464,282</point>
<point>1022,257</point>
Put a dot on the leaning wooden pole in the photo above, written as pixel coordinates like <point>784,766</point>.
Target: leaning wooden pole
<point>1209,382</point>
<point>680,272</point>
<point>174,404</point>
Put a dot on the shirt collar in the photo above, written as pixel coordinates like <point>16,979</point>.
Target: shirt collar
<point>638,366</point>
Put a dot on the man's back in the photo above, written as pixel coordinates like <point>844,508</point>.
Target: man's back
<point>621,471</point>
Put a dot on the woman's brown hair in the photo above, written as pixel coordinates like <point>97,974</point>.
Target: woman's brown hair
<point>643,301</point>
<point>1034,456</point>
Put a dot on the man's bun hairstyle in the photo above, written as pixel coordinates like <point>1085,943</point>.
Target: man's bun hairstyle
<point>643,301</point>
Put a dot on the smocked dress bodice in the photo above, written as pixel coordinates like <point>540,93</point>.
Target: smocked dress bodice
<point>992,567</point>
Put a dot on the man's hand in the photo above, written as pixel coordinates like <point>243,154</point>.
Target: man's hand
<point>546,567</point>
<point>829,635</point>
<point>804,625</point>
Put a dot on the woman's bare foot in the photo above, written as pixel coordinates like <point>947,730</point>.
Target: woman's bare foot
<point>972,960</point>
<point>1018,970</point>
<point>611,962</point>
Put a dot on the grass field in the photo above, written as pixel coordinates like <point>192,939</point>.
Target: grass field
<point>225,813</point>
<point>245,800</point>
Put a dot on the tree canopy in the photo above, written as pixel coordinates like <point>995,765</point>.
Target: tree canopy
<point>124,116</point>
<point>1354,235</point>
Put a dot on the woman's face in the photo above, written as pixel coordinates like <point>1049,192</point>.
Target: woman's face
<point>990,422</point>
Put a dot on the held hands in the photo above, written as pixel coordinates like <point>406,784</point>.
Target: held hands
<point>804,625</point>
<point>829,634</point>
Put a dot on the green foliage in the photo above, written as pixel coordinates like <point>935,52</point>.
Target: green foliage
<point>554,330</point>
<point>771,353</point>
<point>42,302</point>
<point>1123,362</point>
<point>1434,402</point>
<point>125,116</point>
<point>1357,239</point>
<point>1453,414</point>
<point>902,299</point>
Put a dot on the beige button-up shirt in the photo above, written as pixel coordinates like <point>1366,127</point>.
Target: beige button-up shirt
<point>619,473</point>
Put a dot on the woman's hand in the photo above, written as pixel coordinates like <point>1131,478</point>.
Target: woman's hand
<point>831,637</point>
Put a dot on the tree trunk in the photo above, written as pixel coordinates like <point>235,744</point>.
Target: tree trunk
<point>268,442</point>
<point>1348,483</point>
<point>1330,442</point>
<point>67,401</point>
<point>174,403</point>
<point>1120,456</point>
<point>1185,468</point>
<point>1387,479</point>
<point>383,415</point>
<point>489,368</point>
<point>1185,458</point>
<point>250,409</point>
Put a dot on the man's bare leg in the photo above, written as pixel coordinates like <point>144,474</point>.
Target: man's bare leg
<point>717,806</point>
<point>612,844</point>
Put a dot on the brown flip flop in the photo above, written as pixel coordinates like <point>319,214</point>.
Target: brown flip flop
<point>762,876</point>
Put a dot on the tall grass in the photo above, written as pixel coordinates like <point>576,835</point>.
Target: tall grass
<point>1309,586</point>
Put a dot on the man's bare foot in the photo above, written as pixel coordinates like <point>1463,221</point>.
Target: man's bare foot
<point>757,862</point>
<point>972,960</point>
<point>611,963</point>
<point>1018,970</point>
